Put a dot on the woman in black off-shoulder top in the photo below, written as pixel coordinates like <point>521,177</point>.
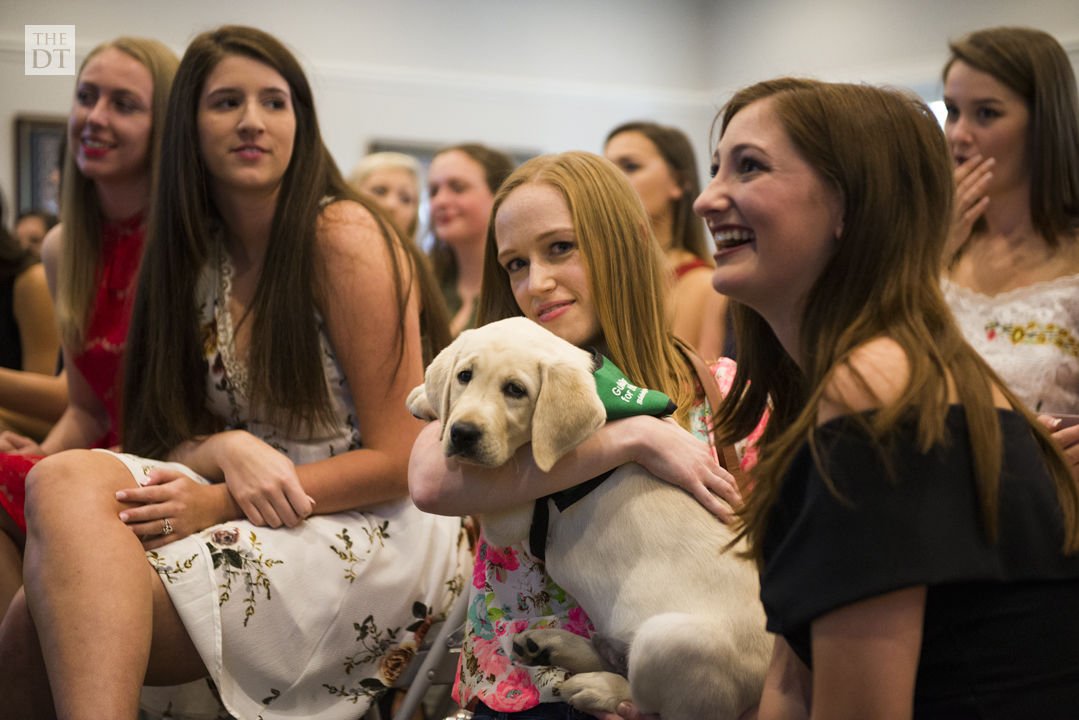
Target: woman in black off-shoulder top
<point>916,529</point>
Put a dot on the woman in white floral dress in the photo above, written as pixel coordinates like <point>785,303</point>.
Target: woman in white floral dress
<point>276,334</point>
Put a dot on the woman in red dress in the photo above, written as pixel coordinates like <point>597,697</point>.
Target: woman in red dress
<point>91,259</point>
<point>660,163</point>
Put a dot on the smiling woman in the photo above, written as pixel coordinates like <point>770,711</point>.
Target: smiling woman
<point>246,126</point>
<point>114,136</point>
<point>262,537</point>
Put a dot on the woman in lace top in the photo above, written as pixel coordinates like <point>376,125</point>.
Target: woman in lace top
<point>1012,265</point>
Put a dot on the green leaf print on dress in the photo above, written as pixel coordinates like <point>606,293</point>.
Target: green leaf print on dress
<point>167,571</point>
<point>250,564</point>
<point>376,536</point>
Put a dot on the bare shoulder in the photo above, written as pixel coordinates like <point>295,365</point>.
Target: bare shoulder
<point>30,283</point>
<point>874,375</point>
<point>344,225</point>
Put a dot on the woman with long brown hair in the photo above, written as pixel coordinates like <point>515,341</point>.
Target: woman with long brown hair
<point>915,525</point>
<point>262,535</point>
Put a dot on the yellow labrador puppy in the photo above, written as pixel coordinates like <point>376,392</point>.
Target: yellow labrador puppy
<point>643,558</point>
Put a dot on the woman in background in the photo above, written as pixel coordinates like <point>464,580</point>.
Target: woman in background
<point>461,183</point>
<point>392,179</point>
<point>28,338</point>
<point>660,165</point>
<point>1012,265</point>
<point>114,138</point>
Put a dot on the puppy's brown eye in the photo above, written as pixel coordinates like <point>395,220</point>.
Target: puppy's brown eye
<point>464,376</point>
<point>514,390</point>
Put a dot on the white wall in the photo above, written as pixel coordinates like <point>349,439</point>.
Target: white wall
<point>531,74</point>
<point>514,73</point>
<point>878,41</point>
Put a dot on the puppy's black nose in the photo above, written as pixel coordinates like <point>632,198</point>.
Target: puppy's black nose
<point>464,436</point>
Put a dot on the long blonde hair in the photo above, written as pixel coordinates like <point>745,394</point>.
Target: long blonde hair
<point>625,269</point>
<point>79,263</point>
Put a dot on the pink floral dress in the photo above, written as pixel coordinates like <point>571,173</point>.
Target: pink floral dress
<point>511,592</point>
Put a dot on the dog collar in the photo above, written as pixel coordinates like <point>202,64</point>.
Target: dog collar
<point>541,513</point>
<point>620,397</point>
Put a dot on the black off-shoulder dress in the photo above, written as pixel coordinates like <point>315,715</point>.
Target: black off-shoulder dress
<point>1001,633</point>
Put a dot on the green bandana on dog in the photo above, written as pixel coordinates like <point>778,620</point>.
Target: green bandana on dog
<point>621,398</point>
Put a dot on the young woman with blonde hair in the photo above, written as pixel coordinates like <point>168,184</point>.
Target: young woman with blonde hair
<point>113,146</point>
<point>568,247</point>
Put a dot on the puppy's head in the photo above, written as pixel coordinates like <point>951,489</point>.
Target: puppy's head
<point>500,386</point>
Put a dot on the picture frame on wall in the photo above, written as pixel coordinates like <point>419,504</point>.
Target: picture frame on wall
<point>39,153</point>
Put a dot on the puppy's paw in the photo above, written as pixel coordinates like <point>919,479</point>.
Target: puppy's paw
<point>418,404</point>
<point>558,648</point>
<point>595,692</point>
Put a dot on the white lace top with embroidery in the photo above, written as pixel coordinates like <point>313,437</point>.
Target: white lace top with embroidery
<point>1030,337</point>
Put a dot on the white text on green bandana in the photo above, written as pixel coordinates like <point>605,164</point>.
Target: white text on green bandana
<point>621,398</point>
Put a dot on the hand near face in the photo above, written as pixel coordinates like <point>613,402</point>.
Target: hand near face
<point>971,181</point>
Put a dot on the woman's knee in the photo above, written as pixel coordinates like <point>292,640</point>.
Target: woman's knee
<point>73,477</point>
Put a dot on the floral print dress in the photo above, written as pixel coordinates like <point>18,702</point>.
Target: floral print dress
<point>511,592</point>
<point>313,621</point>
<point>1029,336</point>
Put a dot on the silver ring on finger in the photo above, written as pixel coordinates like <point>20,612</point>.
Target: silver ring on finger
<point>166,527</point>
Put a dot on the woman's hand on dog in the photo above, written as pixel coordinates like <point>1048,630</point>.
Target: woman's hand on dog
<point>675,456</point>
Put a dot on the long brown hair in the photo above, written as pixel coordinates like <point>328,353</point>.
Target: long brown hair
<point>1036,68</point>
<point>882,280</point>
<point>79,263</point>
<point>164,389</point>
<point>625,269</point>
<point>687,230</point>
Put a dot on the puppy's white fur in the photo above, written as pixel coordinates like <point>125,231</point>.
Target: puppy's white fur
<point>642,557</point>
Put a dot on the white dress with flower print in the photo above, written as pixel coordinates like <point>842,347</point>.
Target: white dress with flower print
<point>511,592</point>
<point>317,620</point>
<point>1029,336</point>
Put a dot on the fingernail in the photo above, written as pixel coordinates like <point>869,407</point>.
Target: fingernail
<point>121,494</point>
<point>1055,422</point>
<point>123,517</point>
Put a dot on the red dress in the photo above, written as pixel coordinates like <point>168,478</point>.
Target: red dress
<point>101,359</point>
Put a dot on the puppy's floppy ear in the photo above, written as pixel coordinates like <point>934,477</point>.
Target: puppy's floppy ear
<point>436,385</point>
<point>567,411</point>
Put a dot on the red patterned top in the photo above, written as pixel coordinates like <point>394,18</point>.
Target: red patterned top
<point>101,359</point>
